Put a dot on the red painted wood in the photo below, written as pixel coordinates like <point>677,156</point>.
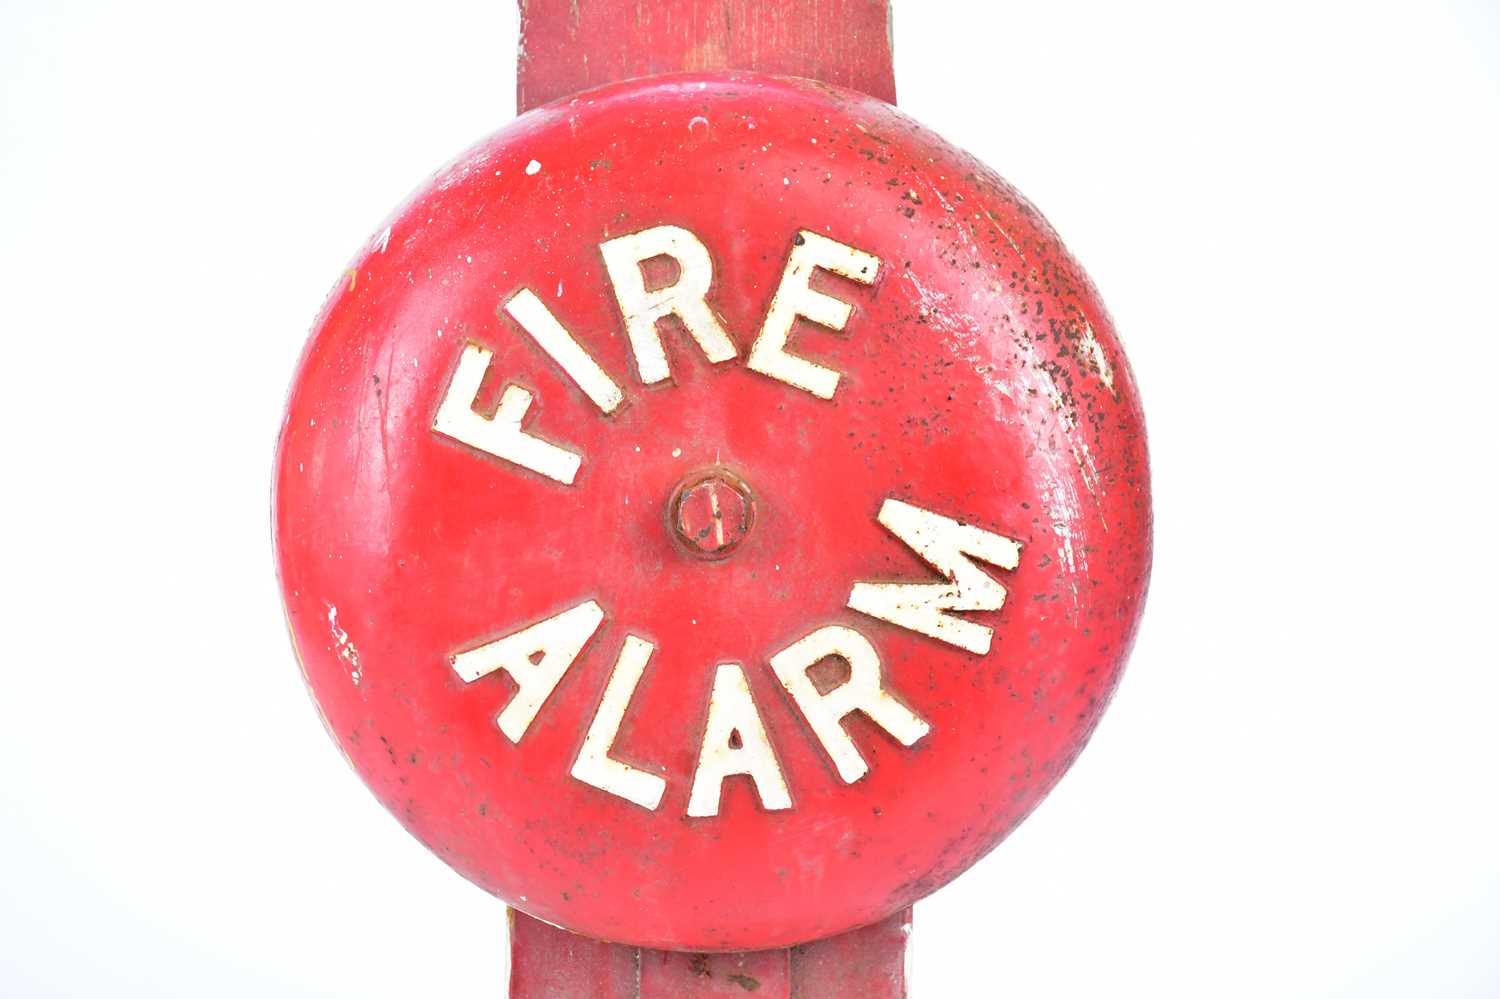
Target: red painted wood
<point>549,963</point>
<point>677,975</point>
<point>572,45</point>
<point>867,963</point>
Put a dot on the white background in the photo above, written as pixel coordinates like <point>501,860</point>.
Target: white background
<point>1292,211</point>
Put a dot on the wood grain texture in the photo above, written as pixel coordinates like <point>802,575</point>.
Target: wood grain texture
<point>550,963</point>
<point>572,45</point>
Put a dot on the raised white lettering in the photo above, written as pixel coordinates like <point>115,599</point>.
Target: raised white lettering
<point>594,764</point>
<point>862,691</point>
<point>794,297</point>
<point>684,298</point>
<point>553,337</point>
<point>536,658</point>
<point>735,742</point>
<point>945,545</point>
<point>500,435</point>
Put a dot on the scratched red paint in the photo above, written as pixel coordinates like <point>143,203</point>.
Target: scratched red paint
<point>712,513</point>
<point>981,379</point>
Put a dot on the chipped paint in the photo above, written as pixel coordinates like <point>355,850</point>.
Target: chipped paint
<point>344,646</point>
<point>1097,355</point>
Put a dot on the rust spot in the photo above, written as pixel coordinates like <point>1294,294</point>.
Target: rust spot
<point>711,513</point>
<point>828,674</point>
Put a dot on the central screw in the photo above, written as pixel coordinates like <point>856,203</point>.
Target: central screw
<point>711,512</point>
